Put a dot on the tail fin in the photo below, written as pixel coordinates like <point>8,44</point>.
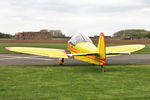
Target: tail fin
<point>102,49</point>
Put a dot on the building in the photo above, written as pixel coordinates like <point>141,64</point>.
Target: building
<point>41,35</point>
<point>57,34</point>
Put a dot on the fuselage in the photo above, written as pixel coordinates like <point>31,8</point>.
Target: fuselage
<point>80,43</point>
<point>85,47</point>
<point>82,47</point>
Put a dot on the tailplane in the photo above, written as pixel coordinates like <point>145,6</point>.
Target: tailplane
<point>102,49</point>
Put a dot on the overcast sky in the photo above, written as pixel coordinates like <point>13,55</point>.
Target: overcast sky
<point>74,16</point>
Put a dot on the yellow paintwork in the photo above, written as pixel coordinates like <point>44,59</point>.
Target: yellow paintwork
<point>102,49</point>
<point>56,53</point>
<point>82,48</point>
<point>86,47</point>
<point>124,48</point>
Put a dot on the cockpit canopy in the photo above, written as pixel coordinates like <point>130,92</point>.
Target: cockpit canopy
<point>79,38</point>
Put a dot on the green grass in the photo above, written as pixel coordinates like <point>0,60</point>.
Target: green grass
<point>57,46</point>
<point>120,82</point>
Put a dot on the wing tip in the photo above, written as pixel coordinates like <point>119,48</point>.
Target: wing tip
<point>7,48</point>
<point>142,45</point>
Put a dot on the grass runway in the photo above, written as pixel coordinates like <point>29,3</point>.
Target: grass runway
<point>119,82</point>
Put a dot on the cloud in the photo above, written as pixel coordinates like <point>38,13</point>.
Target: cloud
<point>74,16</point>
<point>68,6</point>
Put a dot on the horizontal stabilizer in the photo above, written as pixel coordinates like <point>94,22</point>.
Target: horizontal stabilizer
<point>117,53</point>
<point>82,54</point>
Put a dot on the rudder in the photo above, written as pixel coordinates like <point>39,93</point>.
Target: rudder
<point>102,49</point>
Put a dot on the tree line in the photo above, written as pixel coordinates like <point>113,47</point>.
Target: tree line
<point>133,34</point>
<point>3,35</point>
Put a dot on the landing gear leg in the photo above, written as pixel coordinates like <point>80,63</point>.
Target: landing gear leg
<point>61,61</point>
<point>102,68</point>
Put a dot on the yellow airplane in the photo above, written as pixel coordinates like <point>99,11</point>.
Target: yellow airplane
<point>82,48</point>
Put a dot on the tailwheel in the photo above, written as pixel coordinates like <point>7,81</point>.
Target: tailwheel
<point>61,61</point>
<point>102,68</point>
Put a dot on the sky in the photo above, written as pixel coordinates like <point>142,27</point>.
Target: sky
<point>89,17</point>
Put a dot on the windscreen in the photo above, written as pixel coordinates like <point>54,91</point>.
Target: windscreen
<point>79,38</point>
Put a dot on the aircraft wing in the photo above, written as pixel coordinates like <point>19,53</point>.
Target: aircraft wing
<point>60,53</point>
<point>125,49</point>
<point>56,53</point>
<point>114,50</point>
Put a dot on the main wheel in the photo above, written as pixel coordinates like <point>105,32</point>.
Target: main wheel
<point>103,70</point>
<point>61,61</point>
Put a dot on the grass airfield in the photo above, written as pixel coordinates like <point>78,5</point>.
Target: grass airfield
<point>119,82</point>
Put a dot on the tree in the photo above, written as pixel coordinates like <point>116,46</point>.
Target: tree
<point>132,34</point>
<point>2,35</point>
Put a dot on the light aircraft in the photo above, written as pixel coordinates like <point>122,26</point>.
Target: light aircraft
<point>82,48</point>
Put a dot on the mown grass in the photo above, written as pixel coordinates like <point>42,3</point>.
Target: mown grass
<point>57,46</point>
<point>119,82</point>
